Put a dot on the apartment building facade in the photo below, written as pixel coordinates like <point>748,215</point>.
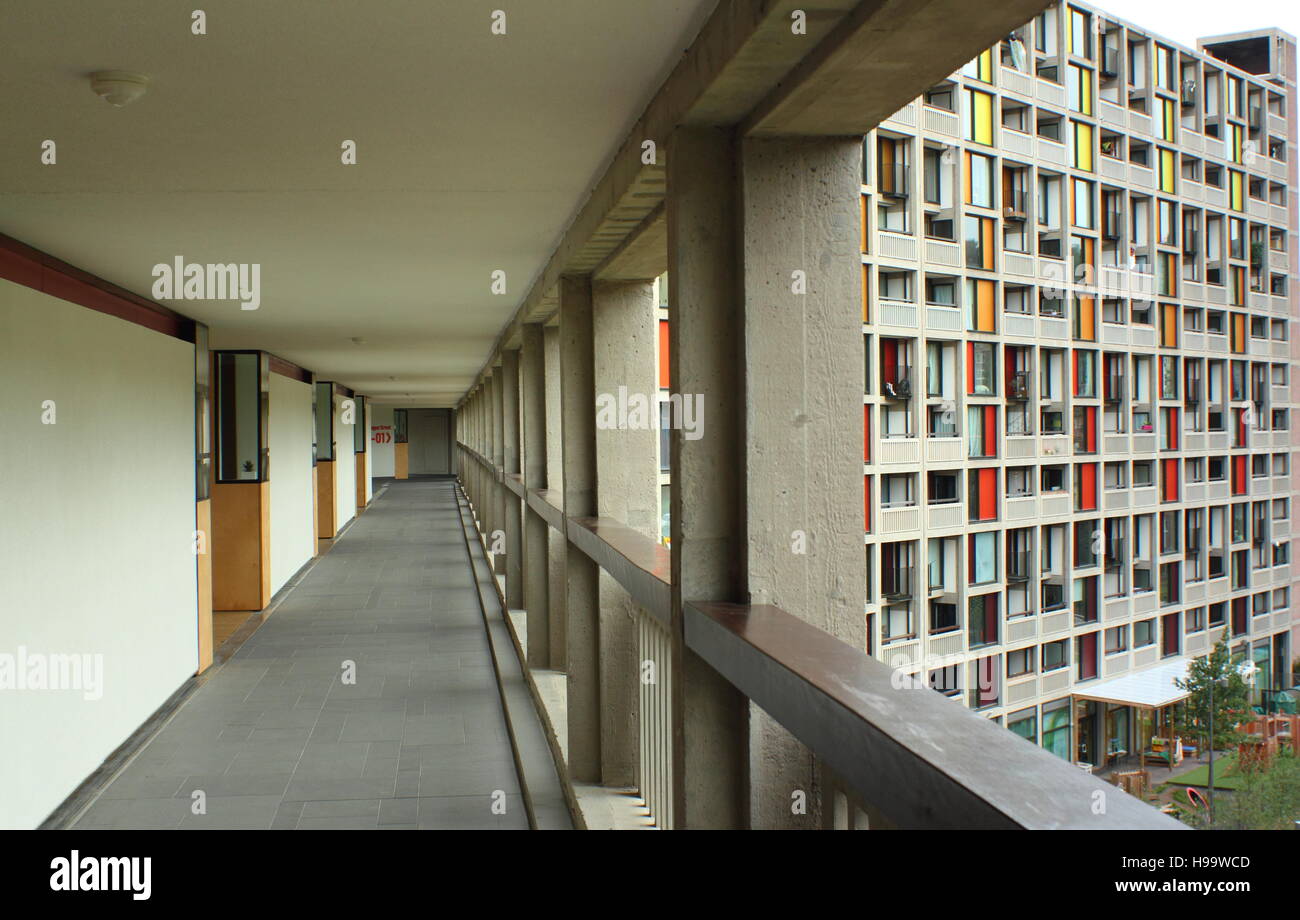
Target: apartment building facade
<point>1078,258</point>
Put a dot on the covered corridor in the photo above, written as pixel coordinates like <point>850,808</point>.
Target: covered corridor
<point>280,736</point>
<point>487,233</point>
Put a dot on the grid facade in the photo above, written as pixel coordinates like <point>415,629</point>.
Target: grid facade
<point>1077,260</point>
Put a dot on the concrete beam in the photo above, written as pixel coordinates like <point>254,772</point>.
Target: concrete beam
<point>885,53</point>
<point>640,257</point>
<point>741,54</point>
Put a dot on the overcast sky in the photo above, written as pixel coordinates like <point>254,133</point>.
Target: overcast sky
<point>1187,20</point>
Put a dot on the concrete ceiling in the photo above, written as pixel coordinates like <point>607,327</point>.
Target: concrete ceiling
<point>474,153</point>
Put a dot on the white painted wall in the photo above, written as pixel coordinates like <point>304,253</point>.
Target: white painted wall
<point>381,453</point>
<point>96,535</point>
<point>345,467</point>
<point>293,542</point>
<point>370,455</point>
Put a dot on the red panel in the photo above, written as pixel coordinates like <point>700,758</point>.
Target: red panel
<point>1088,651</point>
<point>1090,436</point>
<point>1088,487</point>
<point>1239,475</point>
<point>970,367</point>
<point>988,494</point>
<point>890,370</point>
<point>866,434</point>
<point>990,431</point>
<point>1171,480</point>
<point>1170,637</point>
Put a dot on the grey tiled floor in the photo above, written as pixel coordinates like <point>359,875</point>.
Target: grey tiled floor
<point>275,739</point>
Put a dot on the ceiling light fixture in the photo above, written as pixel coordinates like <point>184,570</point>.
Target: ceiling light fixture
<point>118,87</point>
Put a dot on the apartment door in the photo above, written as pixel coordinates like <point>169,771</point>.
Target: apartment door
<point>427,437</point>
<point>1086,716</point>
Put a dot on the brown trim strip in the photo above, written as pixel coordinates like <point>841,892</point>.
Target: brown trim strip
<point>341,390</point>
<point>40,271</point>
<point>288,369</point>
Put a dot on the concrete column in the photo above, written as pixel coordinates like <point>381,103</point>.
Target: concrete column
<point>626,367</point>
<point>803,429</point>
<point>582,604</point>
<point>532,369</point>
<point>498,461</point>
<point>478,447</point>
<point>512,521</point>
<point>484,502</point>
<point>558,545</point>
<point>710,756</point>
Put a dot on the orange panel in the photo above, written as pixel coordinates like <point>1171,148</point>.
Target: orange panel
<point>865,241</point>
<point>203,524</point>
<point>984,319</point>
<point>664,342</point>
<point>240,545</point>
<point>1088,319</point>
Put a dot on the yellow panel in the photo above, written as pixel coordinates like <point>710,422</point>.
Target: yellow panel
<point>983,118</point>
<point>1083,147</point>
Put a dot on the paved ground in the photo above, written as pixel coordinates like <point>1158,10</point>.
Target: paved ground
<point>276,739</point>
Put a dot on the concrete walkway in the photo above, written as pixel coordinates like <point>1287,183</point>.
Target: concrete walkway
<point>276,738</point>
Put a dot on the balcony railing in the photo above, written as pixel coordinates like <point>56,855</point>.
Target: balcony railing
<point>915,759</point>
<point>900,387</point>
<point>1020,565</point>
<point>895,180</point>
<point>896,584</point>
<point>1016,205</point>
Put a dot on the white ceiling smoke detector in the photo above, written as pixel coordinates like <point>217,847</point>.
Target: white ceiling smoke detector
<point>119,87</point>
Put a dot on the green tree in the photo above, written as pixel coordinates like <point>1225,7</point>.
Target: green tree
<point>1231,697</point>
<point>1267,800</point>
